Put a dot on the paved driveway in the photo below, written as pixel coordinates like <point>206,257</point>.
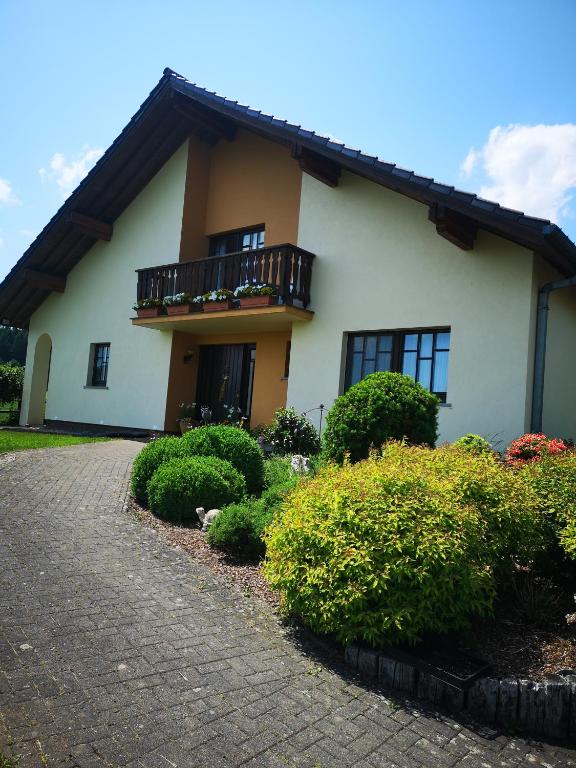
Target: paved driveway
<point>116,650</point>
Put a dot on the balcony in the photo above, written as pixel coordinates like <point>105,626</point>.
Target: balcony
<point>285,266</point>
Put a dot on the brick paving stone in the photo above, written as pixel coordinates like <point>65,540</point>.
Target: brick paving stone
<point>117,650</point>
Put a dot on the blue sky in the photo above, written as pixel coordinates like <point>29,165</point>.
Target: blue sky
<point>477,94</point>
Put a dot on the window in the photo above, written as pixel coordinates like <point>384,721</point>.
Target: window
<point>234,242</point>
<point>100,354</point>
<point>421,354</point>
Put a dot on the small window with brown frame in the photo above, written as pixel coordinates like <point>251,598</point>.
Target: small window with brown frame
<point>99,361</point>
<point>235,242</point>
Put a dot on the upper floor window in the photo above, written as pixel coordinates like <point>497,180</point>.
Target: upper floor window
<point>421,354</point>
<point>100,354</point>
<point>234,242</point>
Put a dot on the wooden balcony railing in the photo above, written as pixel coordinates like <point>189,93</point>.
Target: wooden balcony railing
<point>286,266</point>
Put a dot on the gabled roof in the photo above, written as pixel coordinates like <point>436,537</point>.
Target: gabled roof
<point>177,108</point>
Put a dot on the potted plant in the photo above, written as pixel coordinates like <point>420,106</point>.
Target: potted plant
<point>182,304</point>
<point>149,307</point>
<point>218,300</point>
<point>187,418</point>
<point>256,294</point>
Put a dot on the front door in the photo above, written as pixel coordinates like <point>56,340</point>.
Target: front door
<point>225,377</point>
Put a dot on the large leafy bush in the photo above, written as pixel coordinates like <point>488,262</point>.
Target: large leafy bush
<point>232,444</point>
<point>399,545</point>
<point>11,382</point>
<point>179,486</point>
<point>553,478</point>
<point>291,432</point>
<point>147,462</point>
<point>381,407</point>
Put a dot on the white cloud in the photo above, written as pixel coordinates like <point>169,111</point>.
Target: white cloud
<point>7,196</point>
<point>1,243</point>
<point>68,174</point>
<point>528,167</point>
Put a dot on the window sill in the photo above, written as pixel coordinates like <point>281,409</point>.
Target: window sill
<point>90,386</point>
<point>445,405</point>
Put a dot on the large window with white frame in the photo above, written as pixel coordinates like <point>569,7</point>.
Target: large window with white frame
<point>420,353</point>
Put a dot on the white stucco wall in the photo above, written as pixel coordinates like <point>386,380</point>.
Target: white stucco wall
<point>380,265</point>
<point>96,307</point>
<point>559,412</point>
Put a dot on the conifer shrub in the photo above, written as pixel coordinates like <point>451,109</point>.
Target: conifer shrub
<point>181,485</point>
<point>232,444</point>
<point>147,462</point>
<point>401,544</point>
<point>381,407</point>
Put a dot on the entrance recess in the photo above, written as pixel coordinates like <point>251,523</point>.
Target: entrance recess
<point>39,383</point>
<point>225,378</point>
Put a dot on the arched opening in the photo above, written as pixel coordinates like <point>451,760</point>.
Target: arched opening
<point>40,376</point>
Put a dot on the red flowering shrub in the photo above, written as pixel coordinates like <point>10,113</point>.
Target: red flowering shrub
<point>530,448</point>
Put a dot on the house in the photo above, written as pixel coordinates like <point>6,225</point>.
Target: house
<point>376,269</point>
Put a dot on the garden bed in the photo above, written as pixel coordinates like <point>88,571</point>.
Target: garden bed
<point>512,647</point>
<point>245,575</point>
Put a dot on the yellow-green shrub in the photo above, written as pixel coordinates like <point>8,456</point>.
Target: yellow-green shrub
<point>398,545</point>
<point>505,499</point>
<point>554,481</point>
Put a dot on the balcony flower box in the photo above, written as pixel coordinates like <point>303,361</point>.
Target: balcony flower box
<point>258,301</point>
<point>182,304</point>
<point>219,300</point>
<point>256,294</point>
<point>148,307</point>
<point>218,306</point>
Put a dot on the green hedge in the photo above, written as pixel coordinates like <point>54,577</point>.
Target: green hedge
<point>381,407</point>
<point>179,486</point>
<point>11,382</point>
<point>232,444</point>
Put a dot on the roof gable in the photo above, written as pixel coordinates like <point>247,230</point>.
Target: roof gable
<point>177,108</point>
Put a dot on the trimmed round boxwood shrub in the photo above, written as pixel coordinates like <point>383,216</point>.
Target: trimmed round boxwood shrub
<point>381,407</point>
<point>474,443</point>
<point>291,432</point>
<point>147,462</point>
<point>232,444</point>
<point>179,486</point>
<point>394,547</point>
<point>239,528</point>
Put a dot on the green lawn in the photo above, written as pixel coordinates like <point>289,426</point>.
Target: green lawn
<point>23,441</point>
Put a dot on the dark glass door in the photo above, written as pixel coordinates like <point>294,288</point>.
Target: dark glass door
<point>225,377</point>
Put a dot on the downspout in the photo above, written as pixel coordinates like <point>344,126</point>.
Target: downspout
<point>540,348</point>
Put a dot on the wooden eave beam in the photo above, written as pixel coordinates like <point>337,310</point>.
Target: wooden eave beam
<point>99,230</point>
<point>319,167</point>
<point>453,226</point>
<point>44,280</point>
<point>209,123</point>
